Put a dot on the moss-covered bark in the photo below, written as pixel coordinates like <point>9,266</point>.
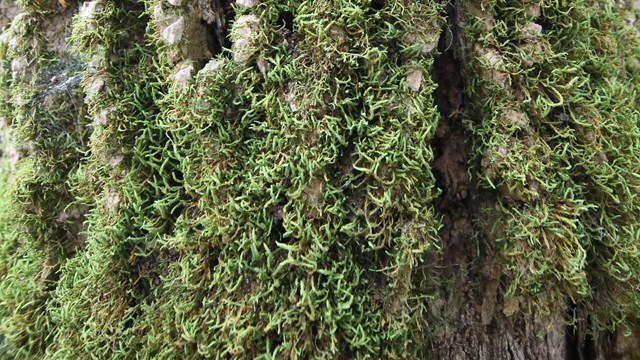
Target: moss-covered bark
<point>305,179</point>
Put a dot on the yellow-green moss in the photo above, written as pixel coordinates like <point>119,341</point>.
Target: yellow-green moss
<point>281,203</point>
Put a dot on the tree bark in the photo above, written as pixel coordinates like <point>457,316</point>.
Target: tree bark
<point>189,184</point>
<point>478,320</point>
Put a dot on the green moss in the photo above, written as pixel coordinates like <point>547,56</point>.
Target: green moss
<point>281,204</point>
<point>44,109</point>
<point>556,142</point>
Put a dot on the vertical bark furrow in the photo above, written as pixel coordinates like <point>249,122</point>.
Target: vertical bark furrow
<point>484,324</point>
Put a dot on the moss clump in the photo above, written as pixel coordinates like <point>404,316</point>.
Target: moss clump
<point>275,205</point>
<point>555,139</point>
<point>43,105</point>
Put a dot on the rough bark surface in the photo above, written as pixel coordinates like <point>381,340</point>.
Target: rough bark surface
<point>478,321</point>
<point>477,324</point>
<point>178,191</point>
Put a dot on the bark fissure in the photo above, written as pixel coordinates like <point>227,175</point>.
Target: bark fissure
<point>479,324</point>
<point>450,148</point>
<point>453,206</point>
<point>215,16</point>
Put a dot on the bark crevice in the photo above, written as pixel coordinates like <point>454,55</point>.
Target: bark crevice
<point>215,15</point>
<point>451,152</point>
<point>477,322</point>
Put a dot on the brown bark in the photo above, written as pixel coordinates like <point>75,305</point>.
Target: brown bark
<point>478,322</point>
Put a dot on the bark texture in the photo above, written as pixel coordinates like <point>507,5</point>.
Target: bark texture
<point>319,179</point>
<point>478,323</point>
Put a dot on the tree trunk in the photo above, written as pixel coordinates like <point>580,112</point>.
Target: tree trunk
<point>479,321</point>
<point>300,179</point>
